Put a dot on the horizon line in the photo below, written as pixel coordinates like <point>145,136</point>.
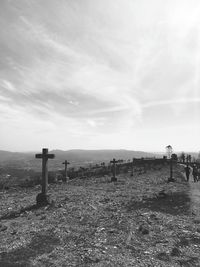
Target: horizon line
<point>106,149</point>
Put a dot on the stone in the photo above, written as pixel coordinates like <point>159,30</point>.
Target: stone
<point>3,227</point>
<point>113,179</point>
<point>14,232</point>
<point>43,217</point>
<point>197,221</point>
<point>162,194</point>
<point>154,217</point>
<point>171,180</point>
<point>43,199</point>
<point>175,252</point>
<point>143,229</point>
<point>163,256</point>
<point>184,242</point>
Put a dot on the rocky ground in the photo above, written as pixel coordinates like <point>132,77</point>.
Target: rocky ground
<point>136,221</point>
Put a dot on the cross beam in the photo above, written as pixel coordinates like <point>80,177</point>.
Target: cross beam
<point>44,156</point>
<point>114,161</point>
<point>66,163</point>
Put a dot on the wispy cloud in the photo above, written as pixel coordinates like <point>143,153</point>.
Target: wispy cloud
<point>172,102</point>
<point>98,68</point>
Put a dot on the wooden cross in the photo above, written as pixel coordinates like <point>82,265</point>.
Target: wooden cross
<point>66,163</point>
<point>114,161</point>
<point>42,197</point>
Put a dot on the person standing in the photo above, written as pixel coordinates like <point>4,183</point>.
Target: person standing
<point>187,172</point>
<point>198,173</point>
<point>195,173</point>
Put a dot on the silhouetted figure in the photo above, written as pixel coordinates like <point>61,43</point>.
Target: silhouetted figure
<point>195,173</point>
<point>187,172</point>
<point>198,173</point>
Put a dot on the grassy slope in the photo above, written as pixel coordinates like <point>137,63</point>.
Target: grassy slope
<point>97,223</point>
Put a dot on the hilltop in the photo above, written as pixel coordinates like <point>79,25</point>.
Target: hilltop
<point>136,221</point>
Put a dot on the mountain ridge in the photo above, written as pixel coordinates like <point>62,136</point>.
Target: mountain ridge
<point>75,156</point>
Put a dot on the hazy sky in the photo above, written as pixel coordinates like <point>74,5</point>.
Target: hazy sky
<point>96,74</point>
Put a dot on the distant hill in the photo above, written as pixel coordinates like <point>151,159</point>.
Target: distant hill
<point>100,155</point>
<point>6,155</point>
<point>76,157</point>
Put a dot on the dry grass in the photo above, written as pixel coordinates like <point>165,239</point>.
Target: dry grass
<point>137,221</point>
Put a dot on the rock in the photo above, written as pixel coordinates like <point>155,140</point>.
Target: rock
<point>163,256</point>
<point>154,217</point>
<point>13,232</point>
<point>89,259</point>
<point>143,229</point>
<point>197,221</point>
<point>171,180</point>
<point>162,194</point>
<point>52,204</point>
<point>3,227</point>
<point>43,217</point>
<point>43,200</point>
<point>184,242</point>
<point>113,179</point>
<point>175,252</point>
<point>112,231</point>
<point>38,213</point>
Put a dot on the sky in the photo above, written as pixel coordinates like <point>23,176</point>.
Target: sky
<point>100,74</point>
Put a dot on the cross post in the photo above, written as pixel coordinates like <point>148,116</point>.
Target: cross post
<point>132,166</point>
<point>43,198</point>
<point>66,178</point>
<point>114,161</point>
<point>171,170</point>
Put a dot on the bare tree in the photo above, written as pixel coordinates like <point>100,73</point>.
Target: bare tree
<point>182,157</point>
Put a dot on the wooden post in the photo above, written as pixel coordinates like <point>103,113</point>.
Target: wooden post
<point>66,178</point>
<point>171,169</point>
<point>169,153</point>
<point>43,198</point>
<point>114,179</point>
<point>171,179</point>
<point>132,167</point>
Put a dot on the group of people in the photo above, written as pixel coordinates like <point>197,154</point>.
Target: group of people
<point>195,172</point>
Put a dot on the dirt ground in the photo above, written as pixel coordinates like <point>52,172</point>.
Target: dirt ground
<point>136,221</point>
<point>195,195</point>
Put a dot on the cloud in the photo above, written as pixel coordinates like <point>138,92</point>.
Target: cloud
<point>171,102</point>
<point>99,67</point>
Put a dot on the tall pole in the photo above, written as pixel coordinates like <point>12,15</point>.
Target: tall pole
<point>169,153</point>
<point>66,172</point>
<point>44,171</point>
<point>132,166</point>
<point>114,171</point>
<point>171,169</point>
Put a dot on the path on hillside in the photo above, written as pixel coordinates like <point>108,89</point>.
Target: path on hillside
<point>194,193</point>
